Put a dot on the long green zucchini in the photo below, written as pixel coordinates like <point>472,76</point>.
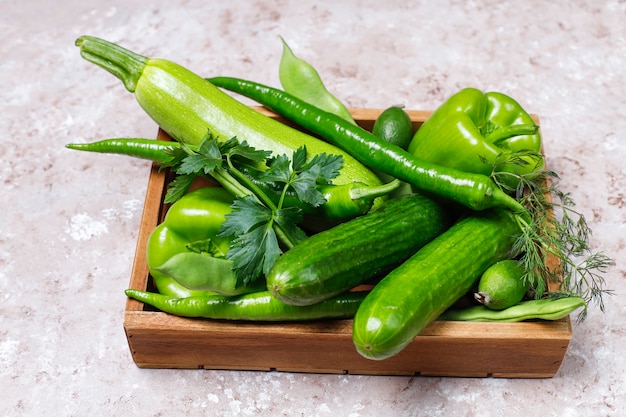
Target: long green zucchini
<point>337,259</point>
<point>403,303</point>
<point>186,106</point>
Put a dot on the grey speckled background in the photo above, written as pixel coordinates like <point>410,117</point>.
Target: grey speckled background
<point>69,221</point>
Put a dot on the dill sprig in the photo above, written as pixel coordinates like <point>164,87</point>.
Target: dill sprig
<point>554,238</point>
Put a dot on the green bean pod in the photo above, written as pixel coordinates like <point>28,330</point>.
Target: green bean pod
<point>543,309</point>
<point>301,79</point>
<point>259,306</point>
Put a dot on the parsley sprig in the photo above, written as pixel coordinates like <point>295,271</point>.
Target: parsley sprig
<point>259,227</point>
<point>554,239</point>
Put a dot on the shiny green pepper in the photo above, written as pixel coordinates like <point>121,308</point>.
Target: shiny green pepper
<point>476,132</point>
<point>184,254</point>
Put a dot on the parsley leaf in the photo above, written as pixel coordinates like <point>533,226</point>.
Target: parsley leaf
<point>303,177</point>
<point>254,248</point>
<point>206,159</point>
<point>329,166</point>
<point>258,227</point>
<point>287,218</point>
<point>246,214</point>
<point>178,187</point>
<point>304,184</point>
<point>233,149</point>
<point>279,170</point>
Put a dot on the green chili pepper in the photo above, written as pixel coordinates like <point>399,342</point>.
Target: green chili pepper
<point>185,254</point>
<point>543,309</point>
<point>477,132</point>
<point>301,79</point>
<point>343,201</point>
<point>259,306</point>
<point>475,191</point>
<point>150,149</point>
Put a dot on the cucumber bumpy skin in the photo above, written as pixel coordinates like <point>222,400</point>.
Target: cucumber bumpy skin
<point>403,303</point>
<point>337,259</point>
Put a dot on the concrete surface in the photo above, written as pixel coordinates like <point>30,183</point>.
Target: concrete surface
<point>69,221</point>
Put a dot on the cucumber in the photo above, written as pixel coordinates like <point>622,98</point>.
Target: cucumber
<point>346,255</point>
<point>404,302</point>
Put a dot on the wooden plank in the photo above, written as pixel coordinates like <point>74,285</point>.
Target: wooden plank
<point>444,348</point>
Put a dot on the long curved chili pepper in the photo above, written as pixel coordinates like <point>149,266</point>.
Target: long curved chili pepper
<point>343,201</point>
<point>150,149</point>
<point>474,191</point>
<point>259,306</point>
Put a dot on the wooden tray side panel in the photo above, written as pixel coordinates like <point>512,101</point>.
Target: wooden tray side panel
<point>444,348</point>
<point>151,217</point>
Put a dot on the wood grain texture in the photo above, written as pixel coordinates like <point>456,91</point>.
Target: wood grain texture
<point>444,348</point>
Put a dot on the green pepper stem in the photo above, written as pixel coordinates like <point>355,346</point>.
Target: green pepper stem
<point>361,193</point>
<point>507,132</point>
<point>500,198</point>
<point>124,64</point>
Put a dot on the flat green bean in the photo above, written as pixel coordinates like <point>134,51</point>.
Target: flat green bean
<point>301,79</point>
<point>544,309</point>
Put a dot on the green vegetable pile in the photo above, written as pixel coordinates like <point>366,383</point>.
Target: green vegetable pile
<point>390,228</point>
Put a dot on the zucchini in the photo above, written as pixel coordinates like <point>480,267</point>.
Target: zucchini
<point>186,106</point>
<point>404,302</point>
<point>348,254</point>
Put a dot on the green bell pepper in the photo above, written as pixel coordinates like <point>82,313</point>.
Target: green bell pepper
<point>477,132</point>
<point>184,253</point>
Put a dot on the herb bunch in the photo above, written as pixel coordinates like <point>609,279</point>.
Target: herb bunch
<point>554,238</point>
<point>259,225</point>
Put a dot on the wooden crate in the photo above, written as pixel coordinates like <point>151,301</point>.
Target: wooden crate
<point>444,348</point>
